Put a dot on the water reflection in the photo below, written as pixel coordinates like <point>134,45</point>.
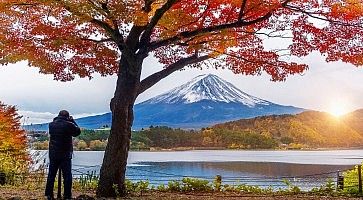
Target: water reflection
<point>262,174</point>
<point>263,168</point>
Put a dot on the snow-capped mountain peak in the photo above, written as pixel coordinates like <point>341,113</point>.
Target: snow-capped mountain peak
<point>207,87</point>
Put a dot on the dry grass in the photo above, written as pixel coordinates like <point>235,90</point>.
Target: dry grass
<point>227,196</point>
<point>14,193</point>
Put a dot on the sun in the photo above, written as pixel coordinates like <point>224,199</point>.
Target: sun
<point>338,108</point>
<point>337,111</point>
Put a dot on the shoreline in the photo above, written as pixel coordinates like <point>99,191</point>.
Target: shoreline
<point>222,149</point>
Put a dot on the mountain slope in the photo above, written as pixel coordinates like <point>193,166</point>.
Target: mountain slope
<point>206,87</point>
<point>312,128</point>
<point>355,120</point>
<point>201,102</point>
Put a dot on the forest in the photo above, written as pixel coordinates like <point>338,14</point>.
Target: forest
<point>306,130</point>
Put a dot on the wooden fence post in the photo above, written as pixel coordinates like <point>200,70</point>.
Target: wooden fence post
<point>340,181</point>
<point>360,179</point>
<point>218,182</point>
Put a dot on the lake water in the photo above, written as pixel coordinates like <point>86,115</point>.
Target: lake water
<point>263,168</point>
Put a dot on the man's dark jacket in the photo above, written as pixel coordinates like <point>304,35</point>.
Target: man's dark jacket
<point>61,131</point>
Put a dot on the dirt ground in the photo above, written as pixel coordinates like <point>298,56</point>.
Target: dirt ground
<point>22,194</point>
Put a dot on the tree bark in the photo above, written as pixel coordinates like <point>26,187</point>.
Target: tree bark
<point>112,174</point>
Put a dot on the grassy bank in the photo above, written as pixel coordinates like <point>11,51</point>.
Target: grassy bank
<point>31,186</point>
<point>187,188</point>
<point>22,193</point>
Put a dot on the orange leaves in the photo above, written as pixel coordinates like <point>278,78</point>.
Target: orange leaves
<point>340,38</point>
<point>348,10</point>
<point>82,37</point>
<point>253,60</point>
<point>57,37</point>
<point>12,137</point>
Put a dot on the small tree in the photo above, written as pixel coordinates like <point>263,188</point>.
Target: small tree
<point>97,145</point>
<point>82,145</point>
<point>13,155</point>
<point>82,37</point>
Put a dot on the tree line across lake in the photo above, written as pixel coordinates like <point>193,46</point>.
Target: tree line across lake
<point>305,130</point>
<point>161,137</point>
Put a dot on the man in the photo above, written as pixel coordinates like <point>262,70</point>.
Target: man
<point>61,131</point>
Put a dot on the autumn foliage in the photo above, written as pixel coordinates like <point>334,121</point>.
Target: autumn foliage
<point>82,37</point>
<point>13,154</point>
<point>67,38</point>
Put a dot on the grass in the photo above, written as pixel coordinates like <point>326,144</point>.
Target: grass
<point>9,192</point>
<point>187,188</point>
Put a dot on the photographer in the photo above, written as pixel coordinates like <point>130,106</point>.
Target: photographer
<point>61,131</point>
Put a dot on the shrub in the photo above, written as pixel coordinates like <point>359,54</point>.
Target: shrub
<point>13,155</point>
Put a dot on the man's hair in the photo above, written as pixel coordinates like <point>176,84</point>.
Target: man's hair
<point>63,113</point>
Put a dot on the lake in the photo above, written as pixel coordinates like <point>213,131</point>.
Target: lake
<point>263,168</point>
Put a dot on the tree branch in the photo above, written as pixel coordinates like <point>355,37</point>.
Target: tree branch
<point>241,12</point>
<point>145,38</point>
<point>114,34</point>
<point>147,6</point>
<point>97,41</point>
<point>188,34</point>
<point>313,15</point>
<point>180,64</point>
<point>100,7</point>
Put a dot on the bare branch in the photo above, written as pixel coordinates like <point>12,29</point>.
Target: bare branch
<point>180,64</point>
<point>269,35</point>
<point>259,62</point>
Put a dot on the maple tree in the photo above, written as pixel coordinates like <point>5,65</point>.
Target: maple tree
<point>82,37</point>
<point>13,155</point>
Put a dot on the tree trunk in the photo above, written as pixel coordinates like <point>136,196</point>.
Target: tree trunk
<point>112,174</point>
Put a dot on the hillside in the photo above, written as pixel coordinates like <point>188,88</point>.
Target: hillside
<point>311,128</point>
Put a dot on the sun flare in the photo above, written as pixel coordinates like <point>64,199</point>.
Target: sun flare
<point>338,109</point>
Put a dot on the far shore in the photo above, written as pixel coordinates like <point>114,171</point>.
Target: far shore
<point>225,149</point>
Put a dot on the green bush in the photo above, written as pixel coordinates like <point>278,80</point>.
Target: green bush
<point>174,186</point>
<point>137,187</point>
<point>351,181</point>
<point>193,184</point>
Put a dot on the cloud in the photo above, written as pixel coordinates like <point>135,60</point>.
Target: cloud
<point>31,117</point>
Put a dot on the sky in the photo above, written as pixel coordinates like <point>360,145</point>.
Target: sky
<point>324,87</point>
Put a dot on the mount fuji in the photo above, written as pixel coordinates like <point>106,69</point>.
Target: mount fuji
<point>204,101</point>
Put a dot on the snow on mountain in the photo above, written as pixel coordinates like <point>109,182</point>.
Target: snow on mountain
<point>206,87</point>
